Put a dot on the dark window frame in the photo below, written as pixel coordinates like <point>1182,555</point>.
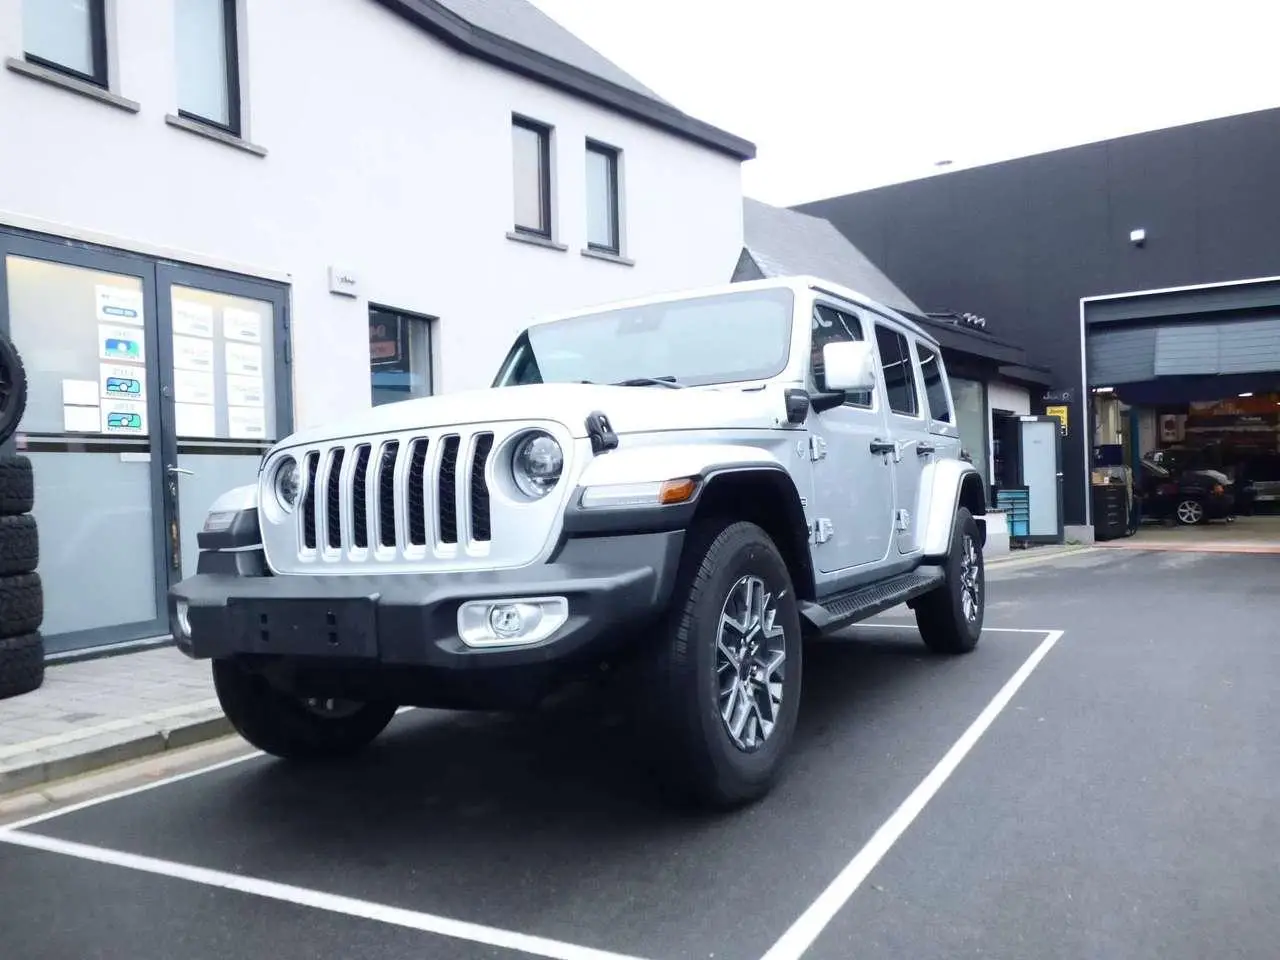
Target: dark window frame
<point>543,132</point>
<point>231,41</point>
<point>904,356</point>
<point>612,156</point>
<point>943,382</point>
<point>98,47</point>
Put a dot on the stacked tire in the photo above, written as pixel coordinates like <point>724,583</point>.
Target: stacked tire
<point>21,593</point>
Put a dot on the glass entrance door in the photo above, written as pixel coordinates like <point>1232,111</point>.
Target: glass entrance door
<point>153,389</point>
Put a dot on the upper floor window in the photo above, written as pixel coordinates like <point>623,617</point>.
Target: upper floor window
<point>935,387</point>
<point>531,163</point>
<point>899,376</point>
<point>831,326</point>
<point>69,36</point>
<point>208,66</point>
<point>602,198</point>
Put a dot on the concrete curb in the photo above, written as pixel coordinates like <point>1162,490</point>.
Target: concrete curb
<point>30,765</point>
<point>1026,558</point>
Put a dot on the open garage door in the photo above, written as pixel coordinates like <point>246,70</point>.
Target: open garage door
<point>1173,349</point>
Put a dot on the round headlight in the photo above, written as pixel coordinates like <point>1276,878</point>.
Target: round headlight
<point>287,482</point>
<point>536,464</point>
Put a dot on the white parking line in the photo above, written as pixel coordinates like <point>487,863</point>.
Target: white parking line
<point>912,626</point>
<point>301,896</point>
<point>792,944</point>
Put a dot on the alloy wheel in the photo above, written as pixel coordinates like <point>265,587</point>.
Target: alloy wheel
<point>1190,512</point>
<point>750,664</point>
<point>970,587</point>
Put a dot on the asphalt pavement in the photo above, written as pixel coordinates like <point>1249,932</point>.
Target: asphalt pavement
<point>1099,779</point>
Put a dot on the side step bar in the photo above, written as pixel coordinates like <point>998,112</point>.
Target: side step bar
<point>843,609</point>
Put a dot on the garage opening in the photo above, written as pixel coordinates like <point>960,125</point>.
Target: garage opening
<point>1184,393</point>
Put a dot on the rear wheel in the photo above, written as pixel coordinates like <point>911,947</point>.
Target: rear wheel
<point>950,616</point>
<point>293,727</point>
<point>1189,512</point>
<point>727,683</point>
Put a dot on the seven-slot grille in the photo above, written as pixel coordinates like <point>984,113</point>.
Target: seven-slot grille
<point>416,495</point>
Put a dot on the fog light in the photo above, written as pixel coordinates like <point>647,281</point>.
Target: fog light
<point>516,621</point>
<point>183,619</point>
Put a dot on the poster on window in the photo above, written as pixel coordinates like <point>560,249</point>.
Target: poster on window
<point>386,341</point>
<point>124,417</point>
<point>121,343</point>
<point>118,304</point>
<point>242,325</point>
<point>244,360</point>
<point>195,420</point>
<point>192,353</point>
<point>122,382</point>
<point>193,386</point>
<point>192,319</point>
<point>245,391</point>
<point>246,423</point>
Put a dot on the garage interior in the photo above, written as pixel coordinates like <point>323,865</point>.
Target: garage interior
<point>1185,406</point>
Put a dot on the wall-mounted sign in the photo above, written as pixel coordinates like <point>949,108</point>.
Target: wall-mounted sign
<point>1061,414</point>
<point>343,282</point>
<point>118,304</point>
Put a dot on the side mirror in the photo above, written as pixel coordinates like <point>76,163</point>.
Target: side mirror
<point>848,366</point>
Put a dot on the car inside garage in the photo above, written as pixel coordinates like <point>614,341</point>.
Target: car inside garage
<point>1184,392</point>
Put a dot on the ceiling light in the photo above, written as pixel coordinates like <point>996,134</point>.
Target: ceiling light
<point>1247,394</point>
<point>1104,389</point>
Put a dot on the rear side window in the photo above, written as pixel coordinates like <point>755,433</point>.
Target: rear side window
<point>831,326</point>
<point>935,387</point>
<point>899,378</point>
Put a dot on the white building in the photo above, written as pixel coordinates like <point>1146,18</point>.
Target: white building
<point>266,213</point>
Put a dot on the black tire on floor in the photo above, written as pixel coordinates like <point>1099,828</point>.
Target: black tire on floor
<point>940,614</point>
<point>21,604</point>
<point>13,388</point>
<point>284,726</point>
<point>21,664</point>
<point>701,761</point>
<point>19,545</point>
<point>17,485</point>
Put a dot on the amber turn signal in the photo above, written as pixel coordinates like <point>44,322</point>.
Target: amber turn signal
<point>677,491</point>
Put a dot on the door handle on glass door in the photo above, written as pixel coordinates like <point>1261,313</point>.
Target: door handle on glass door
<point>183,471</point>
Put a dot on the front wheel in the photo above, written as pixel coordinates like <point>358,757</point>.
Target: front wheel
<point>1189,512</point>
<point>727,685</point>
<point>293,727</point>
<point>950,616</point>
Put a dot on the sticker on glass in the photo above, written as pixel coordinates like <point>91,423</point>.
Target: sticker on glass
<point>190,353</point>
<point>121,343</point>
<point>119,382</point>
<point>194,420</point>
<point>192,319</point>
<point>118,304</point>
<point>244,391</point>
<point>81,420</point>
<point>192,386</point>
<point>244,325</point>
<point>246,423</point>
<point>124,417</point>
<point>244,360</point>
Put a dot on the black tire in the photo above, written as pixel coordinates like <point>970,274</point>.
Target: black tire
<point>940,613</point>
<point>21,604</point>
<point>19,545</point>
<point>282,724</point>
<point>701,761</point>
<point>13,388</point>
<point>17,485</point>
<point>21,664</point>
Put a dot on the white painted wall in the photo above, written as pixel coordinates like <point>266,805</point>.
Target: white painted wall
<point>389,155</point>
<point>1003,396</point>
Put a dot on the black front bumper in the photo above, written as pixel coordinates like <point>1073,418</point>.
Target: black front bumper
<point>612,584</point>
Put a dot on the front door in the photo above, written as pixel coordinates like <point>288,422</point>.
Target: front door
<point>851,483</point>
<point>1041,448</point>
<point>148,386</point>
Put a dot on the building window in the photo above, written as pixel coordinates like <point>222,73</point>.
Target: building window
<point>935,388</point>
<point>829,325</point>
<point>602,198</point>
<point>69,36</point>
<point>899,378</point>
<point>531,162</point>
<point>208,62</point>
<point>399,355</point>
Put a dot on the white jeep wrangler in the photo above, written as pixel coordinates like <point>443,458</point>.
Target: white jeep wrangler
<point>687,484</point>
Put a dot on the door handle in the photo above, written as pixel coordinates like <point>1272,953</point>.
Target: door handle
<point>924,449</point>
<point>883,446</point>
<point>180,471</point>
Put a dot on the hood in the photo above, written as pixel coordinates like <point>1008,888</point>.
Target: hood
<point>630,410</point>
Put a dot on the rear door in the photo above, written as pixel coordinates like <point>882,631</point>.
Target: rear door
<point>907,430</point>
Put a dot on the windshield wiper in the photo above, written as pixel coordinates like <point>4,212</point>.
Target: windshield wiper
<point>669,382</point>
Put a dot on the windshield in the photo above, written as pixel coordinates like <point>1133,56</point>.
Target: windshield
<point>723,338</point>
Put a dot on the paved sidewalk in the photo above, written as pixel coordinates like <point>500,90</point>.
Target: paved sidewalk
<point>96,713</point>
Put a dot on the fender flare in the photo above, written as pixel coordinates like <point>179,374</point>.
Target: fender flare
<point>945,486</point>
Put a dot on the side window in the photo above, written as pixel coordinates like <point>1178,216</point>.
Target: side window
<point>899,378</point>
<point>830,326</point>
<point>935,387</point>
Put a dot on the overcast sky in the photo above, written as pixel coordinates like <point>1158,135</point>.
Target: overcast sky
<point>841,95</point>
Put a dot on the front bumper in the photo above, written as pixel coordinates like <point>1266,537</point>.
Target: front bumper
<point>612,584</point>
